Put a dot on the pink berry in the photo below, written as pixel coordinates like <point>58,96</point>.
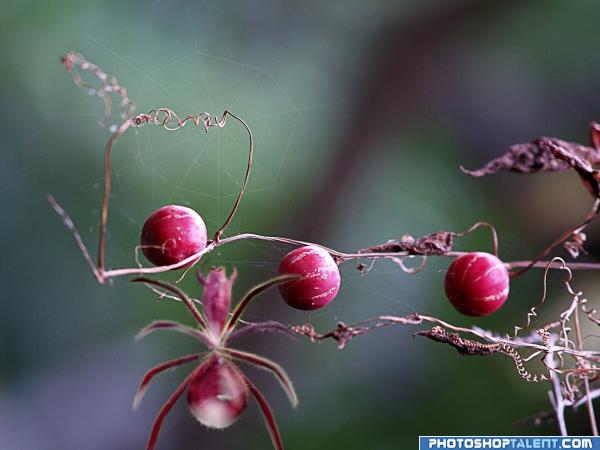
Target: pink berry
<point>477,284</point>
<point>172,234</point>
<point>320,280</point>
<point>217,394</point>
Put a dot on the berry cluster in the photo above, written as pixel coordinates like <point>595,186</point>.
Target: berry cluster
<point>476,284</point>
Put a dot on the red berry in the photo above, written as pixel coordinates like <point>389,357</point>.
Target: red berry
<point>320,280</point>
<point>217,394</point>
<point>477,284</point>
<point>172,234</point>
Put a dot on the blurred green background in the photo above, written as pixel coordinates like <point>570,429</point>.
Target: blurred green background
<point>362,113</point>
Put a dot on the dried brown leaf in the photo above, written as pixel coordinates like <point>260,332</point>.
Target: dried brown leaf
<point>536,156</point>
<point>466,347</point>
<point>438,243</point>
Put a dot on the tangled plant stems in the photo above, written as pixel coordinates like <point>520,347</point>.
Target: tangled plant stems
<point>476,283</point>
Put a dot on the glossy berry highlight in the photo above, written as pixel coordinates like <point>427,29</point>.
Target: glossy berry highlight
<point>172,234</point>
<point>477,284</point>
<point>217,394</point>
<point>320,280</point>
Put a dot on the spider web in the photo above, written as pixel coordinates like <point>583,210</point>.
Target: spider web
<point>153,167</point>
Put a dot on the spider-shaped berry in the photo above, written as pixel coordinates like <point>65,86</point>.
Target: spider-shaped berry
<point>217,390</point>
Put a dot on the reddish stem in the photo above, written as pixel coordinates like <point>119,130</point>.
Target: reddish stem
<point>270,421</point>
<point>166,408</point>
<point>148,376</point>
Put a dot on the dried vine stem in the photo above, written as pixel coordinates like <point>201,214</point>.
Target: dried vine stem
<point>170,121</point>
<point>575,230</point>
<point>343,333</point>
<point>163,117</point>
<point>544,154</point>
<point>341,257</point>
<point>548,154</point>
<point>570,368</point>
<point>103,87</point>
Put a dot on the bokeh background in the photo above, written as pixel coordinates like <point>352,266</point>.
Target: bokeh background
<point>362,113</point>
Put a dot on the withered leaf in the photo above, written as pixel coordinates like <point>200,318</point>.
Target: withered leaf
<point>438,243</point>
<point>536,156</point>
<point>582,166</point>
<point>465,347</point>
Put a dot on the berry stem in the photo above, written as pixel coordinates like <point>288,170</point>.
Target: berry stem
<point>238,200</point>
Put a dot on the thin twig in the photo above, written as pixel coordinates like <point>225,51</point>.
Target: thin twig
<point>562,238</point>
<point>106,198</point>
<point>586,382</point>
<point>555,395</point>
<point>71,226</point>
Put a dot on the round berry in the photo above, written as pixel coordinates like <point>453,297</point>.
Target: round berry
<point>477,284</point>
<point>320,280</point>
<point>172,234</point>
<point>217,394</point>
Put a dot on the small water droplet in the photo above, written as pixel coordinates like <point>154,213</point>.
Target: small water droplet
<point>113,128</point>
<point>92,91</point>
